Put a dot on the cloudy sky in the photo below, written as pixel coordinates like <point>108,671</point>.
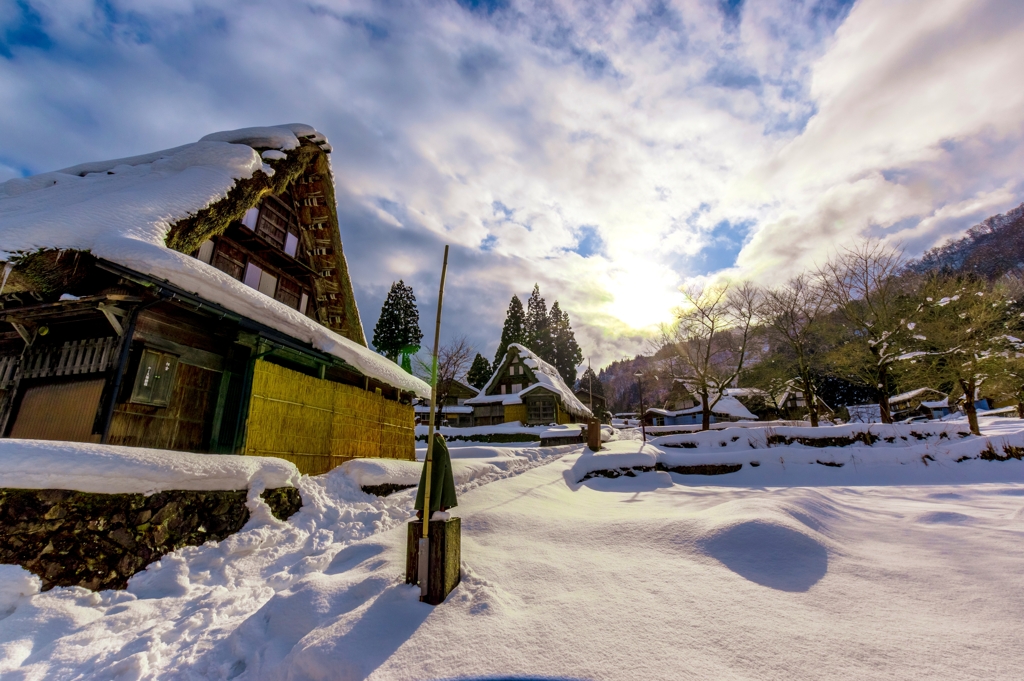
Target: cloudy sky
<point>609,151</point>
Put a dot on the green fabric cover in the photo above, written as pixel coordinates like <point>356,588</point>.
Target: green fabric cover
<point>442,484</point>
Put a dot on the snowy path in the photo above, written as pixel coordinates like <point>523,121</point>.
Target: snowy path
<point>631,578</point>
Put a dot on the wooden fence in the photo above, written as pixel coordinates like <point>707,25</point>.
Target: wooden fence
<point>318,424</point>
<point>73,357</point>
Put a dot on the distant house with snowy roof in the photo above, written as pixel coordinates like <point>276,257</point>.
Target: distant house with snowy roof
<point>455,412</point>
<point>597,403</point>
<point>926,403</point>
<point>527,389</point>
<point>195,299</point>
<point>727,408</point>
<point>757,401</point>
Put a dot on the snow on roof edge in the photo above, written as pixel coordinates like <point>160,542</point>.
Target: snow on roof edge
<point>548,378</point>
<point>123,209</point>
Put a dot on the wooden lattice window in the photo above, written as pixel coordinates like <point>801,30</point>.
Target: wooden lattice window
<point>273,223</point>
<point>277,225</point>
<point>229,259</point>
<point>289,293</point>
<point>541,411</point>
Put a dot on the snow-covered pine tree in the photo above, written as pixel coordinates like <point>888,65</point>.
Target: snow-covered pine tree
<point>565,352</point>
<point>398,328</point>
<point>514,330</point>
<point>538,326</point>
<point>479,372</point>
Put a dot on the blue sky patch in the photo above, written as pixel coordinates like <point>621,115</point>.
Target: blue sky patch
<point>25,31</point>
<point>734,76</point>
<point>731,10</point>
<point>501,209</point>
<point>589,243</point>
<point>375,31</point>
<point>725,243</point>
<point>483,6</point>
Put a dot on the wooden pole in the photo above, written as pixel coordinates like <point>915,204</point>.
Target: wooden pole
<point>425,541</point>
<point>590,380</point>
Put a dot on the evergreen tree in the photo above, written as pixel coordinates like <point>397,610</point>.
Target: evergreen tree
<point>398,328</point>
<point>591,383</point>
<point>564,352</point>
<point>538,326</point>
<point>479,372</point>
<point>514,330</point>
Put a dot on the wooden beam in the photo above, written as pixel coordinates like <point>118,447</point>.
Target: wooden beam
<point>112,312</point>
<point>22,330</point>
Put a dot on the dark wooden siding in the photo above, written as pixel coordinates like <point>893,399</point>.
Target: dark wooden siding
<point>183,425</point>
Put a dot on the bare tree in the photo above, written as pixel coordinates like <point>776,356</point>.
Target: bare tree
<point>794,313</point>
<point>863,283</point>
<point>453,360</point>
<point>711,338</point>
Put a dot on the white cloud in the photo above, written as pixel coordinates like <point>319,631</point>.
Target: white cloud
<point>649,124</point>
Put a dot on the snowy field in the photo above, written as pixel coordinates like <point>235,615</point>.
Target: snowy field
<point>650,576</point>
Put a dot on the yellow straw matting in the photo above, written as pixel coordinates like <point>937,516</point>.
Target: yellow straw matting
<point>515,412</point>
<point>318,424</point>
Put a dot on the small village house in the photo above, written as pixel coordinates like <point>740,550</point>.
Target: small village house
<point>682,407</point>
<point>526,389</point>
<point>194,299</point>
<point>757,401</point>
<point>594,402</point>
<point>922,403</point>
<point>726,409</point>
<point>455,412</point>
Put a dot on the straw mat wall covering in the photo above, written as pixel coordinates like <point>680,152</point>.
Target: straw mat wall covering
<point>318,424</point>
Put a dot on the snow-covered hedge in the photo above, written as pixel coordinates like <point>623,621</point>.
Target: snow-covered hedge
<point>41,464</point>
<point>841,455</point>
<point>854,434</point>
<point>502,432</point>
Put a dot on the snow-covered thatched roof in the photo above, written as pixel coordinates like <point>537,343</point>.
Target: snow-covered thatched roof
<point>726,406</point>
<point>909,395</point>
<point>547,377</point>
<point>146,213</point>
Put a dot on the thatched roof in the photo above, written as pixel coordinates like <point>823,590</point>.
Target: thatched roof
<point>545,377</point>
<point>148,213</point>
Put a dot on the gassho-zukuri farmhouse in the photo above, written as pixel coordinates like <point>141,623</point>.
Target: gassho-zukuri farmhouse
<point>194,299</point>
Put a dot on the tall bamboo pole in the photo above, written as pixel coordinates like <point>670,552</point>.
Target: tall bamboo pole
<point>424,561</point>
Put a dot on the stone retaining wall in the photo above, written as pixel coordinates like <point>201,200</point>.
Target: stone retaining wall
<point>98,541</point>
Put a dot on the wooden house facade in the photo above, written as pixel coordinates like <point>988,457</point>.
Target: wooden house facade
<point>526,389</point>
<point>455,413</point>
<point>595,402</point>
<point>252,344</point>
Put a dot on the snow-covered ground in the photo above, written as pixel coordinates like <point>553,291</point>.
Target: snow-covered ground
<point>456,435</point>
<point>106,469</point>
<point>471,463</point>
<point>657,576</point>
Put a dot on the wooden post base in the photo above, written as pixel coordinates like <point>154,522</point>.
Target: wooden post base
<point>445,557</point>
